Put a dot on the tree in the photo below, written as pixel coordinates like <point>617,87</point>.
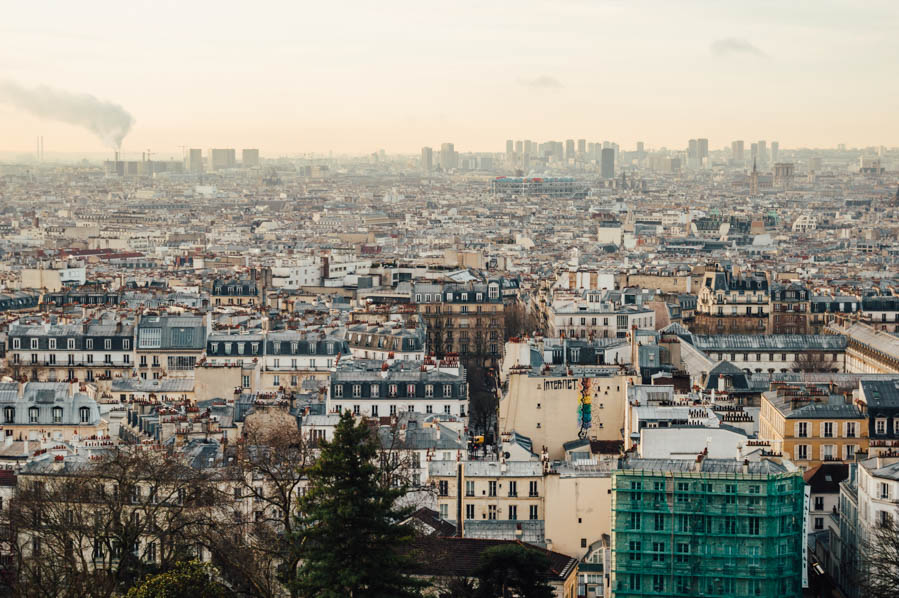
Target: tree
<point>483,401</point>
<point>95,529</point>
<point>879,567</point>
<point>266,471</point>
<point>349,538</point>
<point>513,570</point>
<point>191,579</point>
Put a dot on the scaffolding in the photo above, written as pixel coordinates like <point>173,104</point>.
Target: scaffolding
<point>700,533</point>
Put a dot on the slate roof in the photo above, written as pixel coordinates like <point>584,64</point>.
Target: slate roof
<point>764,467</point>
<point>461,557</point>
<point>769,342</point>
<point>826,477</point>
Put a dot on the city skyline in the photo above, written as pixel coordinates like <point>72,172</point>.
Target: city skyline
<point>320,79</point>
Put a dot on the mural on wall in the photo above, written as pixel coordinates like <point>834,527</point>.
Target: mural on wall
<point>584,415</point>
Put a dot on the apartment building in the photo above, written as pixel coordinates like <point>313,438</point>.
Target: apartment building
<point>811,426</point>
<point>790,307</point>
<point>91,350</point>
<point>731,302</point>
<point>880,401</point>
<point>389,340</point>
<point>488,490</point>
<point>376,389</point>
<point>593,315</point>
<point>169,345</point>
<point>713,527</point>
<point>58,411</point>
<point>467,319</point>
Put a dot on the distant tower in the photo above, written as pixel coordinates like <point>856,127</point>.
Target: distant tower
<point>754,180</point>
<point>427,159</point>
<point>607,163</point>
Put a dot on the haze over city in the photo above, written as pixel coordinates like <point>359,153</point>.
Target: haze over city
<point>358,77</point>
<point>534,299</point>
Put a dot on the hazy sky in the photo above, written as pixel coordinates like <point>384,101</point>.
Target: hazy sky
<point>348,76</point>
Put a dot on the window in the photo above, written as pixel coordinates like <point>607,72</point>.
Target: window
<point>391,391</point>
<point>34,343</point>
<point>410,390</point>
<point>374,411</point>
<point>658,583</point>
<point>532,488</point>
<point>828,430</point>
<point>819,522</point>
<point>880,426</point>
<point>850,429</point>
<point>444,511</point>
<point>533,512</point>
<point>16,343</point>
<point>338,390</point>
<point>513,512</point>
<point>276,380</point>
<point>246,381</point>
<point>57,415</point>
<point>659,522</point>
<point>469,511</point>
<point>107,344</point>
<point>491,488</point>
<point>802,452</point>
<point>126,346</point>
<point>89,344</point>
<point>9,415</point>
<point>491,512</point>
<point>33,414</point>
<point>469,487</point>
<point>819,503</point>
<point>52,343</point>
<point>753,524</point>
<point>429,390</point>
<point>357,391</point>
<point>356,410</point>
<point>393,410</point>
<point>513,488</point>
<point>443,488</point>
<point>803,430</point>
<point>683,552</point>
<point>375,390</point>
<point>84,415</point>
<point>884,490</point>
<point>447,390</point>
<point>634,521</point>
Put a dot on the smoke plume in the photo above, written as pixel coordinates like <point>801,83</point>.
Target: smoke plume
<point>110,122</point>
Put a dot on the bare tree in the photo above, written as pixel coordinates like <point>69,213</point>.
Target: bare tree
<point>95,530</point>
<point>263,481</point>
<point>879,571</point>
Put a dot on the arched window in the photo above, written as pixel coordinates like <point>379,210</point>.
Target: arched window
<point>57,415</point>
<point>9,415</point>
<point>85,414</point>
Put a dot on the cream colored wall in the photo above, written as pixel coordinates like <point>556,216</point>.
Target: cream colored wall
<point>537,401</point>
<point>569,499</point>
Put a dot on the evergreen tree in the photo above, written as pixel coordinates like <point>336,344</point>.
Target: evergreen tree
<point>348,534</point>
<point>513,570</point>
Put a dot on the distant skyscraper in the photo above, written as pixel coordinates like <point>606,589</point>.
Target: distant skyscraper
<point>639,147</point>
<point>519,147</point>
<point>607,166</point>
<point>581,147</point>
<point>754,152</point>
<point>448,157</point>
<point>702,146</point>
<point>763,152</point>
<point>736,150</point>
<point>249,158</point>
<point>222,158</point>
<point>194,161</point>
<point>775,151</point>
<point>509,147</point>
<point>569,149</point>
<point>427,159</point>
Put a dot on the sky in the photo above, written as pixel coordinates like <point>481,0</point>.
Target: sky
<point>359,76</point>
